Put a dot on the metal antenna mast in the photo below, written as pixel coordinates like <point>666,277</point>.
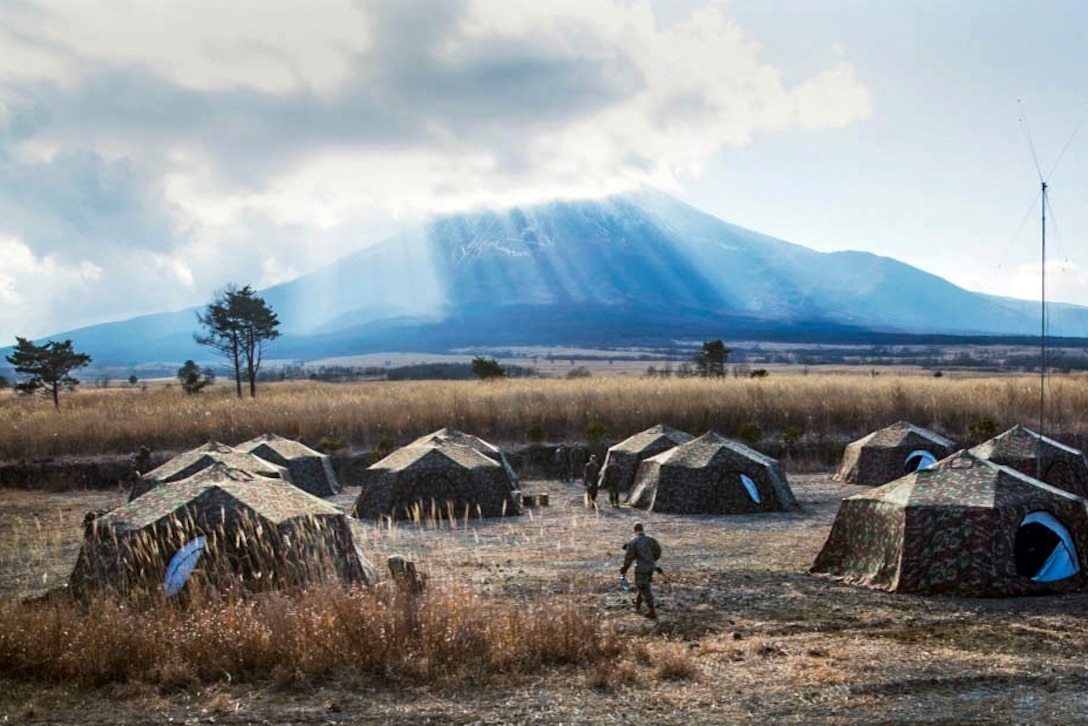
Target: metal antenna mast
<point>1043,361</point>
<point>1042,345</point>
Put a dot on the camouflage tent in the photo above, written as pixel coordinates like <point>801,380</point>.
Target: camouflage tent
<point>260,533</point>
<point>890,453</point>
<point>711,475</point>
<point>436,481</point>
<point>310,470</point>
<point>189,463</point>
<point>622,460</point>
<point>453,436</point>
<point>1039,457</point>
<point>966,527</point>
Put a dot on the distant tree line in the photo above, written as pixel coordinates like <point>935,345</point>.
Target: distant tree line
<point>414,372</point>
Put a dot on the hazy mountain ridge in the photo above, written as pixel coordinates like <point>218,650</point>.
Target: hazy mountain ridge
<point>640,267</point>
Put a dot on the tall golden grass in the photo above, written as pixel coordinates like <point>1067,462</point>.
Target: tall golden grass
<point>822,406</point>
<point>38,539</point>
<point>448,633</point>
<point>224,630</point>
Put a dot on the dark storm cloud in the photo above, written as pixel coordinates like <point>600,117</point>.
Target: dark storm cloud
<point>404,93</point>
<point>81,202</point>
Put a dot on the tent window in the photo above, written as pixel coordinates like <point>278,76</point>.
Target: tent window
<point>182,565</point>
<point>919,459</point>
<point>750,486</point>
<point>1044,549</point>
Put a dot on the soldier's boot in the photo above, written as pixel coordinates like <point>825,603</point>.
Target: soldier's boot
<point>651,614</point>
<point>638,602</point>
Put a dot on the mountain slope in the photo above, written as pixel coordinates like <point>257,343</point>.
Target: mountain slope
<point>638,267</point>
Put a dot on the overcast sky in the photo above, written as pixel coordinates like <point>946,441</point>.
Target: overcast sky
<point>151,152</point>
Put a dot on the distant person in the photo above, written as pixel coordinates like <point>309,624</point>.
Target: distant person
<point>576,458</point>
<point>141,461</point>
<point>644,551</point>
<point>613,485</point>
<point>561,459</point>
<point>590,480</point>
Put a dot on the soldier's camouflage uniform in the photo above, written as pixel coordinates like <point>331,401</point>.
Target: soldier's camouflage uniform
<point>590,476</point>
<point>644,551</point>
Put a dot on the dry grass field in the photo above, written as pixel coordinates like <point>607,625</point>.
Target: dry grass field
<point>822,408</point>
<point>744,633</point>
<point>522,621</point>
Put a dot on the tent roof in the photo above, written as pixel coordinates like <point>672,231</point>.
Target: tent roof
<point>287,448</point>
<point>435,455</point>
<point>447,435</point>
<point>272,499</point>
<point>1021,443</point>
<point>700,452</point>
<point>964,480</point>
<point>645,439</point>
<point>901,433</point>
<point>213,452</point>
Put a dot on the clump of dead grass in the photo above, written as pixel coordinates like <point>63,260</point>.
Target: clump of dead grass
<point>384,634</point>
<point>674,662</point>
<point>612,674</point>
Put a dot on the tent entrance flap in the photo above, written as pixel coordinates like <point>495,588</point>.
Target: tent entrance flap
<point>182,565</point>
<point>750,486</point>
<point>1044,549</point>
<point>919,459</point>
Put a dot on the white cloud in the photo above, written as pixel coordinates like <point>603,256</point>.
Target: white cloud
<point>663,101</point>
<point>243,141</point>
<point>529,95</point>
<point>1065,282</point>
<point>199,44</point>
<point>31,286</point>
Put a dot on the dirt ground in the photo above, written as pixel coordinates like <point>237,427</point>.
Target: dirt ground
<point>757,638</point>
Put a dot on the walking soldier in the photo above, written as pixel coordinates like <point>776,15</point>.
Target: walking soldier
<point>644,551</point>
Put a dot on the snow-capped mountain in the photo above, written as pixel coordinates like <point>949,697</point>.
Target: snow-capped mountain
<point>640,267</point>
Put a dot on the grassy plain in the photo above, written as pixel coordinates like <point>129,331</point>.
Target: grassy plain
<point>523,623</point>
<point>822,407</point>
<point>522,620</point>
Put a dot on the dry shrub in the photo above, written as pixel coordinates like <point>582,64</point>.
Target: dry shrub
<point>360,414</point>
<point>673,662</point>
<point>820,673</point>
<point>625,673</point>
<point>219,703</point>
<point>599,678</point>
<point>385,634</point>
<point>608,675</point>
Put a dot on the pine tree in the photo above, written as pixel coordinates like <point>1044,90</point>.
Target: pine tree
<point>49,366</point>
<point>484,368</point>
<point>710,361</point>
<point>193,379</point>
<point>239,325</point>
